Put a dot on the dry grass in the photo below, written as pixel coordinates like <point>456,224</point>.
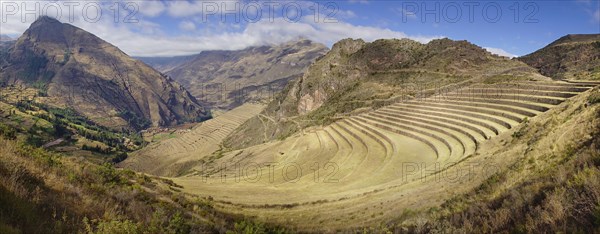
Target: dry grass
<point>369,153</point>
<point>174,155</point>
<point>43,192</point>
<point>352,177</point>
<point>548,189</point>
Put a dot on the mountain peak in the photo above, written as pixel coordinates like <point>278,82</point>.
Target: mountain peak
<point>574,38</point>
<point>61,36</point>
<point>46,22</point>
<point>46,19</point>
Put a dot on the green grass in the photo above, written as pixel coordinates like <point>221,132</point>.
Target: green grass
<point>7,131</point>
<point>594,98</point>
<point>164,136</point>
<point>135,120</point>
<point>39,124</point>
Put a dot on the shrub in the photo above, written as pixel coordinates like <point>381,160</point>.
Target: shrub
<point>109,174</point>
<point>518,134</point>
<point>521,132</point>
<point>40,155</point>
<point>110,227</point>
<point>248,227</point>
<point>33,136</point>
<point>597,216</point>
<point>34,64</point>
<point>178,225</point>
<point>594,97</point>
<point>134,120</point>
<point>8,132</point>
<point>119,157</point>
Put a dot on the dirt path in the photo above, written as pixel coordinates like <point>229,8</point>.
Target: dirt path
<point>53,143</point>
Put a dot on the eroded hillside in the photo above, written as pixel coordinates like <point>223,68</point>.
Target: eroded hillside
<point>574,56</point>
<point>78,70</point>
<point>227,79</point>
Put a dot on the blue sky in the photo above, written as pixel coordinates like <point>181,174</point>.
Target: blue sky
<point>166,28</point>
<point>534,25</point>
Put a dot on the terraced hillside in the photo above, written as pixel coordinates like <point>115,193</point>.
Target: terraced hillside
<point>377,164</point>
<point>356,75</point>
<point>170,156</point>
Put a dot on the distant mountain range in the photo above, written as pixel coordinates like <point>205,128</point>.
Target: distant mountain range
<point>226,79</point>
<point>78,70</point>
<point>4,37</point>
<point>166,64</point>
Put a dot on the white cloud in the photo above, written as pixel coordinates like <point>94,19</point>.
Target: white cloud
<point>151,8</point>
<point>346,14</point>
<point>501,52</point>
<point>187,26</point>
<point>147,38</point>
<point>260,33</point>
<point>184,8</point>
<point>592,8</point>
<point>360,1</point>
<point>407,14</point>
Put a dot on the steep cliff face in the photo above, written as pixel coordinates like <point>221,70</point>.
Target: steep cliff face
<point>81,71</point>
<point>328,75</point>
<point>574,57</point>
<point>227,79</point>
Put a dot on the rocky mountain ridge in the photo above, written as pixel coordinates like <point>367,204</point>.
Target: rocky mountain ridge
<point>227,79</point>
<point>574,56</point>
